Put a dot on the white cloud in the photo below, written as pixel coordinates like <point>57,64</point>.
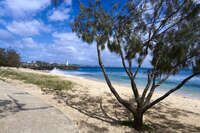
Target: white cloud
<point>70,47</point>
<point>68,2</point>
<point>66,36</point>
<point>197,1</point>
<point>29,42</point>
<point>24,7</point>
<point>76,51</point>
<point>27,28</point>
<point>5,35</point>
<point>65,45</point>
<point>60,15</point>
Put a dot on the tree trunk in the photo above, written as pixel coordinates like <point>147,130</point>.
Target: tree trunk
<point>138,121</point>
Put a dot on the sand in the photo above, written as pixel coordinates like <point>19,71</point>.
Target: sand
<point>93,109</point>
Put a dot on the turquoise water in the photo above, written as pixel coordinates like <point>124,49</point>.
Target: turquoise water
<point>118,75</point>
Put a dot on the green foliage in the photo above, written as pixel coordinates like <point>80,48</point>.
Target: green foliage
<point>2,57</point>
<point>92,24</point>
<point>2,79</point>
<point>169,31</point>
<point>13,58</point>
<point>166,30</point>
<point>43,81</point>
<point>133,46</point>
<point>196,67</point>
<point>113,47</point>
<point>9,58</point>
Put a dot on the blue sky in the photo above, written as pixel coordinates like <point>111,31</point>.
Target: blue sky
<point>38,31</point>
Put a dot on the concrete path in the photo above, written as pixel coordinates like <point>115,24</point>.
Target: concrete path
<point>21,112</point>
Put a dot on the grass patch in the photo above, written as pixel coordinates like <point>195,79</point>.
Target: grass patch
<point>2,79</point>
<point>43,81</point>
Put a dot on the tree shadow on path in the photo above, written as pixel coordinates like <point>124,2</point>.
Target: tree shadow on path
<point>13,106</point>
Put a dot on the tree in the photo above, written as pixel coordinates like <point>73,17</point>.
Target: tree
<point>12,58</point>
<point>168,30</point>
<point>2,57</point>
<point>9,57</point>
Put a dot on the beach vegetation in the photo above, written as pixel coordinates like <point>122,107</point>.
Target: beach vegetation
<point>2,57</point>
<point>9,57</point>
<point>43,81</point>
<point>164,32</point>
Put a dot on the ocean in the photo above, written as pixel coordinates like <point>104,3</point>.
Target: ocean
<point>118,75</point>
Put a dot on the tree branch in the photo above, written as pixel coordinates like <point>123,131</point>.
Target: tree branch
<point>123,61</point>
<point>139,66</point>
<point>176,23</point>
<point>164,79</point>
<point>170,91</point>
<point>112,89</point>
<point>153,87</point>
<point>130,67</point>
<point>146,53</point>
<point>165,21</point>
<point>146,88</point>
<point>133,85</point>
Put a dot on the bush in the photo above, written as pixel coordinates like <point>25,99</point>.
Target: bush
<point>9,58</point>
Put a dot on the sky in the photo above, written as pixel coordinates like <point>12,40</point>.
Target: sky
<point>39,31</point>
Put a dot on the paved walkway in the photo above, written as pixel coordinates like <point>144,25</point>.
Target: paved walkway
<point>21,112</point>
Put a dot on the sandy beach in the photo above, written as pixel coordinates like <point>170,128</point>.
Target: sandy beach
<point>93,109</point>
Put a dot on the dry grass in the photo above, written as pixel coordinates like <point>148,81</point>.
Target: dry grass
<point>43,81</point>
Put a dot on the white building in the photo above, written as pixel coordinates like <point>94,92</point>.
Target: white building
<point>67,63</point>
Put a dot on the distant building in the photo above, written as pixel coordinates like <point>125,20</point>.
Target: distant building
<point>67,63</point>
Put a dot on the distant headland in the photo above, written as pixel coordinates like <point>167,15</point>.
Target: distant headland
<point>41,65</point>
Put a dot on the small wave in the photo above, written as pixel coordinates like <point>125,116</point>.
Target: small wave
<point>56,71</point>
<point>76,73</point>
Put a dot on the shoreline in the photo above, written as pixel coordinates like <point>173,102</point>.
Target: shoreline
<point>179,93</point>
<point>121,85</point>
